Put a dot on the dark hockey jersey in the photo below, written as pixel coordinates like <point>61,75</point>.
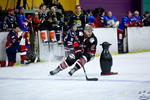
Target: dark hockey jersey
<point>80,20</point>
<point>55,17</point>
<point>100,21</point>
<point>69,39</point>
<point>9,22</point>
<point>85,45</point>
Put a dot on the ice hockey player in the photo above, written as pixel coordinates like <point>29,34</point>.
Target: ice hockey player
<point>125,22</point>
<point>9,20</point>
<point>58,6</point>
<point>100,21</point>
<point>136,20</point>
<point>84,51</point>
<point>57,20</point>
<point>21,20</point>
<point>79,19</point>
<point>39,18</point>
<point>69,39</point>
<point>13,46</point>
<point>111,20</point>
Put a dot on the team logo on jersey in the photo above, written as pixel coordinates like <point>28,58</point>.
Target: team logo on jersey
<point>80,33</point>
<point>91,40</point>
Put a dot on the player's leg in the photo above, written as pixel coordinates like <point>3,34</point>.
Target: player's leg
<point>70,60</point>
<point>23,50</point>
<point>11,54</point>
<point>80,63</point>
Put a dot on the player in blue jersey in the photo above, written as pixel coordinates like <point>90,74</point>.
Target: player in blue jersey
<point>69,39</point>
<point>111,21</point>
<point>136,19</point>
<point>21,20</point>
<point>125,22</point>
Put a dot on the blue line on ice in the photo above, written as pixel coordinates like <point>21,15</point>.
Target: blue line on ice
<point>56,79</point>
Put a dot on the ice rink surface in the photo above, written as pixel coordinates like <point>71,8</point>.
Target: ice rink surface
<point>33,82</point>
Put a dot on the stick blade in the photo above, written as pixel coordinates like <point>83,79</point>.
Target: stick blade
<point>92,79</point>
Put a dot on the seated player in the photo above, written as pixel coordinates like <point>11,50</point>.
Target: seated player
<point>111,20</point>
<point>13,46</point>
<point>146,19</point>
<point>91,19</point>
<point>69,39</point>
<point>84,51</point>
<point>136,20</point>
<point>9,20</point>
<point>100,21</point>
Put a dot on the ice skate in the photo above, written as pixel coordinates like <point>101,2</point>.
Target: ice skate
<point>57,70</point>
<point>72,71</point>
<point>25,62</point>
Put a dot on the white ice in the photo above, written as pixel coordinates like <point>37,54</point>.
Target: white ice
<point>33,82</point>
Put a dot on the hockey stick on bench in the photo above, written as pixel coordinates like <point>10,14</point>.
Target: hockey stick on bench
<point>89,79</point>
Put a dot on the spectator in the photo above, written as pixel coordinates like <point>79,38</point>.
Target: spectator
<point>58,6</point>
<point>146,19</point>
<point>100,21</point>
<point>13,46</point>
<point>57,20</point>
<point>79,19</point>
<point>136,20</point>
<point>9,20</point>
<point>21,20</point>
<point>39,18</point>
<point>111,20</point>
<point>91,19</point>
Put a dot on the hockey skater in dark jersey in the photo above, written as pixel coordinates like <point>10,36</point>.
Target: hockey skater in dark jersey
<point>84,51</point>
<point>9,20</point>
<point>69,39</point>
<point>13,46</point>
<point>79,19</point>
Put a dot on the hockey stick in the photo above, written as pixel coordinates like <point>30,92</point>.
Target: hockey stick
<point>89,79</point>
<point>37,47</point>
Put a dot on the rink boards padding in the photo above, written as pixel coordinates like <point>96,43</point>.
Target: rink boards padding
<point>138,40</point>
<point>109,35</point>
